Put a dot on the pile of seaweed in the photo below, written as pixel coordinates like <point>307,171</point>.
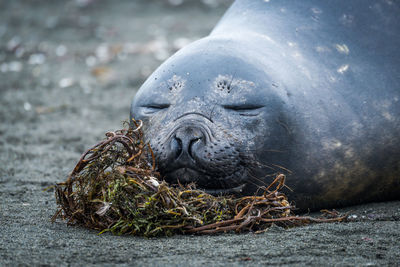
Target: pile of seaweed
<point>115,187</point>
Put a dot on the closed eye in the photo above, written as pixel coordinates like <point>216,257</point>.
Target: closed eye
<point>245,110</point>
<point>153,108</point>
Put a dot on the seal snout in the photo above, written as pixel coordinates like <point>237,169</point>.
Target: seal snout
<point>184,153</point>
<point>194,153</point>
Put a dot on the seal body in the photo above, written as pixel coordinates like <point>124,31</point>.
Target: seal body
<point>307,88</point>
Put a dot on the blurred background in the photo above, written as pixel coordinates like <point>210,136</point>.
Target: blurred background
<point>69,69</point>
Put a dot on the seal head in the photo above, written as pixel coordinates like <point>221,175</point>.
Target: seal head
<point>207,120</point>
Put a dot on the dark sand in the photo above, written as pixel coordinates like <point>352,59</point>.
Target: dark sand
<point>68,71</point>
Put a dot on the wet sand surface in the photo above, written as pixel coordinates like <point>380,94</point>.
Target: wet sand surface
<point>68,72</point>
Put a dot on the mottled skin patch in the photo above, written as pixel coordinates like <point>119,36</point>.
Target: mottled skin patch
<point>307,88</point>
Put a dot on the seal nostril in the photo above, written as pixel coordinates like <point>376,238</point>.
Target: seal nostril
<point>192,142</point>
<point>176,146</point>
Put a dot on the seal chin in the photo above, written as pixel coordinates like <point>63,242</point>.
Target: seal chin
<point>226,191</point>
<point>184,175</point>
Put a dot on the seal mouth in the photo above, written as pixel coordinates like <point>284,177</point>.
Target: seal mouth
<point>204,181</point>
<point>184,175</point>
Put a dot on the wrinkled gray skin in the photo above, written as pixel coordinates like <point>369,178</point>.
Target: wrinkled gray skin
<point>306,88</point>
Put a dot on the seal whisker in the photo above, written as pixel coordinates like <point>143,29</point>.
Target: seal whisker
<point>282,168</point>
<point>211,112</point>
<point>262,181</point>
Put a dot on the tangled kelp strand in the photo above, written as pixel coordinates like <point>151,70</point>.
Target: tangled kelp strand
<point>115,187</point>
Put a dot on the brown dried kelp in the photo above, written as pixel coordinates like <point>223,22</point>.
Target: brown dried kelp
<point>114,187</point>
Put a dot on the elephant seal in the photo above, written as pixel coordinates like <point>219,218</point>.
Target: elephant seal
<point>307,88</point>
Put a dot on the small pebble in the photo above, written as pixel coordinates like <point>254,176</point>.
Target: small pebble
<point>102,52</point>
<point>37,59</point>
<point>61,50</point>
<point>91,61</point>
<point>19,52</point>
<point>15,66</point>
<point>13,43</point>
<point>27,106</point>
<point>66,82</point>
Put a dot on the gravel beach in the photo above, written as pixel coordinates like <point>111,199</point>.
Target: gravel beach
<point>68,72</point>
